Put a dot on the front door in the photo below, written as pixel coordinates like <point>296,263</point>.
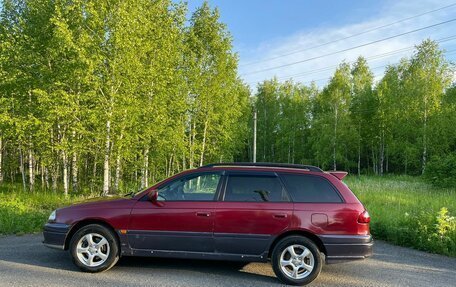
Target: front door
<point>181,220</point>
<point>254,208</point>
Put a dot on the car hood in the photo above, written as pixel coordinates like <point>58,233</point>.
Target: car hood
<point>103,202</point>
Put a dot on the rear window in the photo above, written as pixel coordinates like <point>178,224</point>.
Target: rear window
<point>309,188</point>
<point>254,188</point>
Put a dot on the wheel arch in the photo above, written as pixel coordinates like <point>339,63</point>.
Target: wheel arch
<point>78,225</point>
<point>303,233</point>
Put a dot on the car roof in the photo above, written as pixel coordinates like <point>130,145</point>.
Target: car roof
<point>266,165</point>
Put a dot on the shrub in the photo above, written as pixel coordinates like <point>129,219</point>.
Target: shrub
<point>441,171</point>
<point>409,212</point>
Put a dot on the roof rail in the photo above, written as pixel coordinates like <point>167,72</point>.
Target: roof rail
<point>264,164</point>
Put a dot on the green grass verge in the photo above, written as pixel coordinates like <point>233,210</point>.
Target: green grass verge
<point>409,212</point>
<point>24,212</point>
<point>404,210</point>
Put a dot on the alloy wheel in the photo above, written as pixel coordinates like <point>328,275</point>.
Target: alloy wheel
<point>296,261</point>
<point>92,249</point>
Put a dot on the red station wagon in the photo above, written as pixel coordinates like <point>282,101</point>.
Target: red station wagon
<point>295,216</point>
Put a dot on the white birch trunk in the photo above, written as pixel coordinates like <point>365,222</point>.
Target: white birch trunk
<point>117,173</point>
<point>106,159</point>
<point>74,167</point>
<point>203,147</point>
<point>145,169</point>
<point>74,172</point>
<point>65,172</point>
<point>22,170</point>
<point>170,164</point>
<point>31,170</point>
<point>374,160</point>
<point>192,144</point>
<point>46,177</point>
<point>42,175</point>
<point>117,179</point>
<point>94,173</point>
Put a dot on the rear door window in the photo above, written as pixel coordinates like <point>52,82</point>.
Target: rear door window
<point>256,188</point>
<point>310,188</point>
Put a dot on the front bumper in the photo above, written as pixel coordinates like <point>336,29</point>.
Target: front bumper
<point>341,248</point>
<point>55,235</point>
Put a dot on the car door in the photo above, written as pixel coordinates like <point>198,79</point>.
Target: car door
<point>182,219</point>
<point>254,207</point>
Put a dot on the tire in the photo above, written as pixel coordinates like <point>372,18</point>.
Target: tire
<point>98,248</point>
<point>306,262</point>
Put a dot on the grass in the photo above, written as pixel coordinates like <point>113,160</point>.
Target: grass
<point>409,212</point>
<point>24,212</point>
<point>404,210</point>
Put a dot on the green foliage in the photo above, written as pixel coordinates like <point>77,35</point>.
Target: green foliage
<point>352,123</point>
<point>441,171</point>
<point>283,112</point>
<point>446,225</point>
<point>407,211</point>
<point>106,94</point>
<point>24,212</point>
<point>331,121</point>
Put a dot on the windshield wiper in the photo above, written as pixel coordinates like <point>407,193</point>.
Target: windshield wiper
<point>131,194</point>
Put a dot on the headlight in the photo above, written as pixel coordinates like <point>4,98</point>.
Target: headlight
<point>52,216</point>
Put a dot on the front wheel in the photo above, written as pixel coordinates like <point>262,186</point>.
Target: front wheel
<point>296,260</point>
<point>94,248</point>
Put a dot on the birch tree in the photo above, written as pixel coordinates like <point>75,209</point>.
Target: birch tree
<point>363,110</point>
<point>425,81</point>
<point>331,122</point>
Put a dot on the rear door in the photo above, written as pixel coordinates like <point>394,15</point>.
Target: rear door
<point>252,209</point>
<point>181,220</point>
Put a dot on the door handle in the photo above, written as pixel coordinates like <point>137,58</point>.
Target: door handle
<point>203,214</point>
<point>280,215</point>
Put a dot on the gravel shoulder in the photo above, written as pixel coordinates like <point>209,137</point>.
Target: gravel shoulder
<point>24,261</point>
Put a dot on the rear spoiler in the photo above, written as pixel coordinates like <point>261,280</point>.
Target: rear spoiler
<point>339,174</point>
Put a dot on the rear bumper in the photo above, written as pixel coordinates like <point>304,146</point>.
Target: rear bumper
<point>55,235</point>
<point>341,248</point>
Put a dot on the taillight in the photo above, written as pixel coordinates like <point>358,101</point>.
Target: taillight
<point>364,217</point>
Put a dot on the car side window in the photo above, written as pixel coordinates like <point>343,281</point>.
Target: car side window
<point>310,188</point>
<point>199,187</point>
<point>254,188</point>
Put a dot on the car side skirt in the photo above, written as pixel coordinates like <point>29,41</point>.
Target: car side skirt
<point>199,255</point>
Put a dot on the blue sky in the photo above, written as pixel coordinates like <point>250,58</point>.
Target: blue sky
<point>255,21</point>
<point>266,29</point>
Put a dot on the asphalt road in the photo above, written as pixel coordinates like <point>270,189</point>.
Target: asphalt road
<point>24,261</point>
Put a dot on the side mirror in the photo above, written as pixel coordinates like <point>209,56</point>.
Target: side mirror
<point>153,195</point>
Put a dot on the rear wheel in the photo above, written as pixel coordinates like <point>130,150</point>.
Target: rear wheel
<point>94,248</point>
<point>296,260</point>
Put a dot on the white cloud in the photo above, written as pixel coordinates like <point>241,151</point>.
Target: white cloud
<point>315,69</point>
